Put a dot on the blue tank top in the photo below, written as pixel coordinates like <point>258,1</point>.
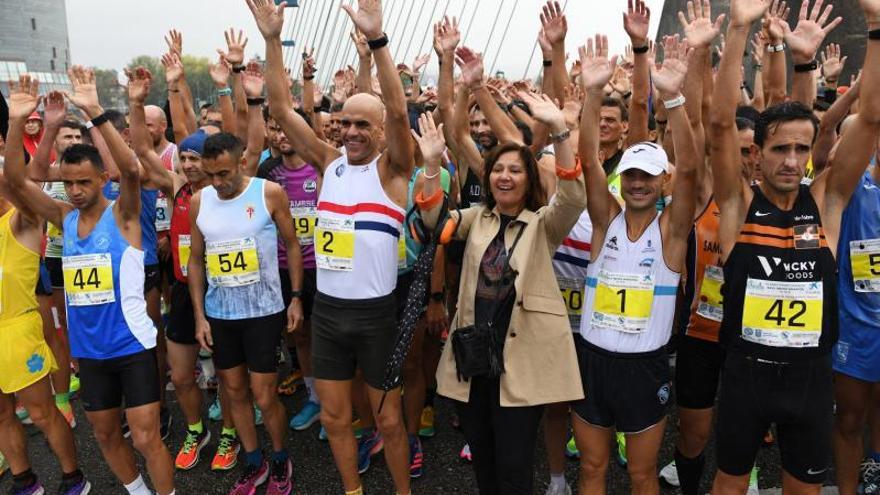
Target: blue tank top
<point>858,257</point>
<point>148,219</point>
<point>104,291</point>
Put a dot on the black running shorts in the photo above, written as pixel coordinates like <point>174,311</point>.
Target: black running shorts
<point>251,341</point>
<point>105,382</point>
<point>181,327</point>
<point>697,371</point>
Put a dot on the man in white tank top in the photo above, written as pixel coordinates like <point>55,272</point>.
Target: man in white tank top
<point>632,279</point>
<point>349,240</point>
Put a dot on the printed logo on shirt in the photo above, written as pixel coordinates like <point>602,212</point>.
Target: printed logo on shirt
<point>647,263</point>
<point>310,186</point>
<point>799,270</point>
<point>250,210</point>
<point>841,353</point>
<point>102,241</point>
<point>612,243</point>
<point>340,169</point>
<point>663,394</point>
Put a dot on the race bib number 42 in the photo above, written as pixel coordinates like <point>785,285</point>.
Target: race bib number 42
<point>623,301</point>
<point>88,279</point>
<point>233,263</point>
<point>782,314</point>
<point>334,244</point>
<point>864,256</point>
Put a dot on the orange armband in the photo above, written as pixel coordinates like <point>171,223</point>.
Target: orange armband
<point>572,174</point>
<point>427,203</point>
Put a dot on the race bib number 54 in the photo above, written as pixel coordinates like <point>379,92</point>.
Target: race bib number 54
<point>88,279</point>
<point>233,263</point>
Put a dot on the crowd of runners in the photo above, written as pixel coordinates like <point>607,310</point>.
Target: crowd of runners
<point>534,252</point>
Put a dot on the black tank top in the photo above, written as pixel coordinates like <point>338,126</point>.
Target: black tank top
<point>471,190</point>
<point>780,299</point>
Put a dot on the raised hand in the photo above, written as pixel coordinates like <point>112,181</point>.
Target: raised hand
<point>235,45</point>
<point>220,73</point>
<point>571,108</point>
<point>252,80</point>
<point>745,12</point>
<point>636,20</point>
<point>699,30</point>
<point>430,137</point>
<point>471,65</point>
<point>811,29</point>
<point>139,82</point>
<point>174,40</point>
<point>832,63</point>
<point>85,92</point>
<point>269,17</point>
<point>669,79</point>
<point>596,68</point>
<point>546,46</point>
<point>759,42</point>
<point>173,68</point>
<point>360,43</point>
<point>448,36</point>
<point>544,110</point>
<point>54,109</point>
<point>309,65</point>
<point>24,97</point>
<point>554,25</point>
<point>497,88</point>
<point>367,19</point>
<point>774,20</point>
<point>420,62</point>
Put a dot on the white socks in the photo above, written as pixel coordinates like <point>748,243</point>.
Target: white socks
<point>138,487</point>
<point>557,481</point>
<point>310,384</point>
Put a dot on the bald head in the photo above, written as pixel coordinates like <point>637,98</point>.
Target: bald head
<point>156,123</point>
<point>365,106</point>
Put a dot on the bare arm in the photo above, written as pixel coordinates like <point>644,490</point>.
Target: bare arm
<point>279,208</point>
<point>827,135</point>
<point>446,39</point>
<point>365,63</point>
<point>252,84</point>
<point>804,42</point>
<point>635,22</point>
<point>138,87</point>
<point>777,66</point>
<point>472,75</point>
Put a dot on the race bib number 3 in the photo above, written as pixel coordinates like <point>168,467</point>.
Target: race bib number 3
<point>334,244</point>
<point>184,247</point>
<point>623,301</point>
<point>864,256</point>
<point>88,279</point>
<point>304,221</point>
<point>233,263</point>
<point>163,215</point>
<point>782,314</point>
<point>573,296</point>
<point>710,305</point>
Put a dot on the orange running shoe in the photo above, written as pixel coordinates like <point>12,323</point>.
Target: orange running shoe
<point>227,453</point>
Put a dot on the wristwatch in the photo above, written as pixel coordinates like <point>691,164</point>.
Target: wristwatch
<point>438,296</point>
<point>296,293</point>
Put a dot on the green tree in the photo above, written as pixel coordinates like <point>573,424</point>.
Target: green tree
<point>197,76</point>
<point>110,92</point>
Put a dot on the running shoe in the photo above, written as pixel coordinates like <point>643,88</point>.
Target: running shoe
<point>322,434</point>
<point>4,466</point>
<point>78,486</point>
<point>306,417</point>
<point>227,453</point>
<point>465,454</point>
<point>288,386</point>
<point>416,457</point>
<point>251,478</point>
<point>426,423</point>
<point>193,444</point>
<point>621,448</point>
<point>67,412</point>
<point>358,428</point>
<point>23,415</point>
<point>869,477</point>
<point>35,488</point>
<point>74,384</point>
<point>164,422</point>
<point>126,430</point>
<point>215,413</point>
<point>669,474</point>
<point>753,482</point>
<point>571,449</point>
<point>558,489</point>
<point>368,446</point>
<point>258,416</point>
<point>280,482</point>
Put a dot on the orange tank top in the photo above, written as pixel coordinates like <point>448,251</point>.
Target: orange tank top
<point>706,309</point>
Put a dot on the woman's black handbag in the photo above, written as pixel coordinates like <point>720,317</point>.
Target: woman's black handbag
<point>478,348</point>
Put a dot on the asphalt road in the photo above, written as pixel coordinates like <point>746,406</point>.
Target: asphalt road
<point>314,471</point>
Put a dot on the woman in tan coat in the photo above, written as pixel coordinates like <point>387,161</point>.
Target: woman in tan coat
<point>509,301</point>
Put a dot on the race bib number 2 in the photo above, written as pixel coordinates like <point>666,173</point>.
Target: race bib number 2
<point>623,301</point>
<point>88,279</point>
<point>864,256</point>
<point>782,314</point>
<point>334,244</point>
<point>233,263</point>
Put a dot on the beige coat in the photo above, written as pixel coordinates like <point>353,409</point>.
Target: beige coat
<point>539,357</point>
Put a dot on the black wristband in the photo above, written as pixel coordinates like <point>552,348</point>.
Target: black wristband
<point>640,49</point>
<point>316,108</point>
<point>548,63</point>
<point>807,67</point>
<point>308,78</point>
<point>238,68</point>
<point>378,43</point>
<point>438,296</point>
<point>100,119</point>
<point>296,294</point>
<point>874,34</point>
<point>255,102</point>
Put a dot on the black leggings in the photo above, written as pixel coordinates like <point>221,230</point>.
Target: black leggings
<point>502,439</point>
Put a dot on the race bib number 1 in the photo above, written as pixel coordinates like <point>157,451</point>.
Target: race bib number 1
<point>623,301</point>
<point>334,244</point>
<point>864,256</point>
<point>710,305</point>
<point>782,314</point>
<point>233,263</point>
<point>88,279</point>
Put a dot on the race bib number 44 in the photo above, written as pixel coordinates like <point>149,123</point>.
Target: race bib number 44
<point>334,244</point>
<point>88,279</point>
<point>233,263</point>
<point>864,257</point>
<point>623,301</point>
<point>782,314</point>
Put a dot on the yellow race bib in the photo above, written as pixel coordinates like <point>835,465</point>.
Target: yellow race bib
<point>88,279</point>
<point>54,238</point>
<point>334,244</point>
<point>184,247</point>
<point>864,257</point>
<point>573,296</point>
<point>710,305</point>
<point>782,314</point>
<point>304,221</point>
<point>233,263</point>
<point>623,301</point>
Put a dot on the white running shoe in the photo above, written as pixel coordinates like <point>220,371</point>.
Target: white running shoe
<point>669,474</point>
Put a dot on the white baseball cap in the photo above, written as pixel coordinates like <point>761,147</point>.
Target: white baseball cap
<point>645,156</point>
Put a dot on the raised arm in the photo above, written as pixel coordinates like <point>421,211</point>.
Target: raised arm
<point>759,52</point>
<point>365,63</point>
<point>554,28</point>
<point>270,19</point>
<point>139,83</point>
<point>252,82</point>
<point>804,43</point>
<point>234,55</point>
<point>173,74</point>
<point>54,114</point>
<point>827,135</point>
<point>777,66</point>
<point>446,39</point>
<point>596,71</point>
<point>219,73</point>
<point>471,65</point>
<point>635,23</point>
<point>23,100</point>
<point>174,40</point>
<point>311,93</point>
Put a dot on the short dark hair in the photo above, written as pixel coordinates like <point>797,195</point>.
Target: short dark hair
<point>536,197</point>
<point>71,124</point>
<point>789,111</point>
<point>748,112</point>
<point>821,106</point>
<point>612,102</point>
<point>117,119</point>
<point>336,107</point>
<point>78,153</point>
<point>222,142</point>
<point>743,124</point>
<point>303,114</point>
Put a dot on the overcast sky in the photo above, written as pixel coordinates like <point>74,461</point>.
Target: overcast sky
<point>109,34</point>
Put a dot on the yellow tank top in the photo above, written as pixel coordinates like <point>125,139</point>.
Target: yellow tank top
<point>19,269</point>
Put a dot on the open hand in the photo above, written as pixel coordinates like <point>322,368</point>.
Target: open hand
<point>368,18</point>
<point>54,109</point>
<point>471,65</point>
<point>173,68</point>
<point>554,25</point>
<point>699,29</point>
<point>85,92</point>
<point>596,68</point>
<point>220,73</point>
<point>811,29</point>
<point>832,63</point>
<point>253,81</point>
<point>174,40</point>
<point>139,82</point>
<point>24,97</point>
<point>669,79</point>
<point>310,67</point>
<point>430,138</point>
<point>636,21</point>
<point>447,37</point>
<point>235,44</point>
<point>269,17</point>
<point>544,110</point>
<point>745,12</point>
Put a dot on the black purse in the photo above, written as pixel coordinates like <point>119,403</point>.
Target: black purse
<point>477,348</point>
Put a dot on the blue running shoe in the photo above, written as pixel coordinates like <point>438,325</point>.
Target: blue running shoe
<point>215,413</point>
<point>368,446</point>
<point>306,417</point>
